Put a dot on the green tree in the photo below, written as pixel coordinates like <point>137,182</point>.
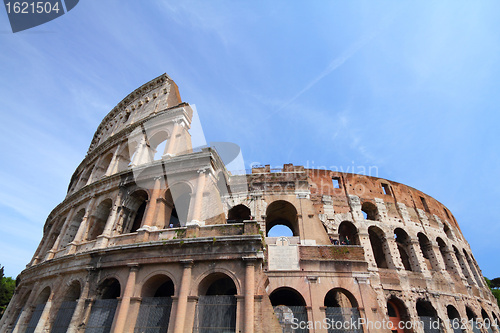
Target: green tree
<point>494,285</point>
<point>7,286</point>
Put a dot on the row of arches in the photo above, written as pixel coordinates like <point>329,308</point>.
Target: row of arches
<point>215,309</point>
<point>408,255</point>
<point>370,212</point>
<point>122,215</point>
<point>398,313</point>
<point>138,149</point>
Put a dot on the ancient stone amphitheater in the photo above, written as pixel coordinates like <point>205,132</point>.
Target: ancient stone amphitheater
<point>155,236</point>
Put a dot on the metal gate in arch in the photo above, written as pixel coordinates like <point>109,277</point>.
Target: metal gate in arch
<point>293,319</point>
<point>215,314</point>
<point>154,315</point>
<point>343,320</point>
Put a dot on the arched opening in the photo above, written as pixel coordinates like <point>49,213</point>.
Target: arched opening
<point>463,265</point>
<point>370,211</point>
<point>454,318</point>
<point>447,231</point>
<point>102,167</point>
<point>156,305</point>
<point>98,219</point>
<point>403,243</point>
<point>177,202</point>
<point>472,319</point>
<point>290,307</point>
<point>487,324</point>
<point>104,307</point>
<point>282,213</point>
<point>123,158</point>
<point>341,306</point>
<point>18,311</point>
<point>427,252</point>
<point>445,254</point>
<point>238,213</point>
<point>428,316</point>
<point>379,245</point>
<point>55,230</point>
<point>40,303</point>
<point>67,308</point>
<point>348,234</point>
<point>84,179</point>
<point>158,145</point>
<point>72,229</point>
<point>216,308</point>
<point>472,268</point>
<point>397,312</point>
<point>137,205</point>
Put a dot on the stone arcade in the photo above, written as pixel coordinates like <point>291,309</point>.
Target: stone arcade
<point>155,236</point>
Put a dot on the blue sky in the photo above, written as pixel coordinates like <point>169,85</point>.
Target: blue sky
<point>411,88</point>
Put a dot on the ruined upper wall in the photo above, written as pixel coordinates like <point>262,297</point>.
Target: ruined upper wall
<point>156,95</point>
<point>340,186</point>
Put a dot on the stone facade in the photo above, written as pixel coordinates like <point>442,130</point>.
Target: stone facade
<point>155,236</point>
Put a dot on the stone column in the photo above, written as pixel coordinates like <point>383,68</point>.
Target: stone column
<point>27,311</point>
<point>45,314</point>
<point>142,153</point>
<point>249,294</point>
<point>419,260</point>
<point>79,309</point>
<point>169,148</point>
<point>183,296</point>
<point>113,165</point>
<point>315,305</point>
<point>80,234</point>
<point>198,200</point>
<point>121,317</point>
<point>102,240</point>
<point>149,218</point>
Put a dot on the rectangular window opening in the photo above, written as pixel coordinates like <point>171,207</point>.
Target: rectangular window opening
<point>336,182</point>
<point>446,212</point>
<point>425,204</point>
<point>386,188</point>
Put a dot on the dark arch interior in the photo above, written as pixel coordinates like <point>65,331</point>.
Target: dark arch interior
<point>340,298</point>
<point>178,198</point>
<point>217,284</point>
<point>43,296</point>
<point>110,289</point>
<point>99,219</point>
<point>377,247</point>
<point>138,217</point>
<point>484,315</point>
<point>370,211</point>
<point>402,241</point>
<point>165,290</point>
<point>348,234</point>
<point>452,312</point>
<point>470,314</point>
<point>238,213</point>
<point>73,292</point>
<point>286,296</point>
<point>425,309</point>
<point>158,286</point>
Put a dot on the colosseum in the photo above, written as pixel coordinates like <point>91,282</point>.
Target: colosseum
<point>157,236</point>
